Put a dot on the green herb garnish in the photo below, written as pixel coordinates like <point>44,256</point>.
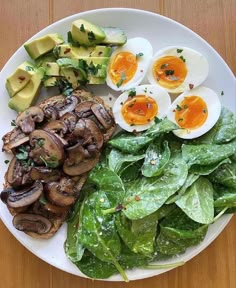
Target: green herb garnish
<point>29,68</point>
<point>163,66</point>
<point>91,36</point>
<point>22,154</point>
<point>132,92</point>
<point>182,58</point>
<point>180,119</point>
<point>82,28</point>
<point>178,108</point>
<point>179,50</point>
<point>139,55</point>
<point>120,82</point>
<point>6,161</point>
<point>222,93</point>
<point>13,122</point>
<point>169,72</point>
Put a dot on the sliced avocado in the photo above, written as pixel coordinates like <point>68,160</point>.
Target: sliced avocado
<point>27,96</point>
<point>42,45</point>
<point>52,69</point>
<point>114,36</point>
<point>20,78</point>
<point>86,33</point>
<point>49,57</point>
<point>95,60</point>
<point>50,82</point>
<point>96,80</point>
<point>71,75</point>
<point>68,51</point>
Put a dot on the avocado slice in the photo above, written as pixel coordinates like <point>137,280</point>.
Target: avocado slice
<point>69,51</point>
<point>43,45</point>
<point>49,57</point>
<point>86,33</point>
<point>95,60</point>
<point>52,69</point>
<point>114,36</point>
<point>50,82</point>
<point>72,76</point>
<point>27,96</point>
<point>20,78</point>
<point>96,80</point>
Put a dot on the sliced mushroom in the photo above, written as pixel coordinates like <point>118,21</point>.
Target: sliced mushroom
<point>79,181</point>
<point>46,149</point>
<point>52,105</point>
<point>56,224</point>
<point>103,116</point>
<point>26,120</point>
<point>26,196</point>
<point>79,161</point>
<point>17,175</point>
<point>56,194</point>
<point>83,109</point>
<point>58,128</point>
<point>70,120</point>
<point>69,106</point>
<point>14,139</point>
<point>44,174</point>
<point>95,133</point>
<point>32,223</point>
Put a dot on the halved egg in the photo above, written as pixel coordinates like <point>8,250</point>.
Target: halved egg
<point>177,69</point>
<point>195,111</point>
<point>128,64</point>
<point>136,109</point>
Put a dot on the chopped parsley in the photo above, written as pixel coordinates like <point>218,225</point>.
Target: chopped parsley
<point>169,72</point>
<point>180,119</point>
<point>132,124</point>
<point>64,86</point>
<point>82,28</point>
<point>6,161</point>
<point>22,154</point>
<point>120,82</point>
<point>178,108</point>
<point>13,122</point>
<point>29,68</point>
<point>139,55</point>
<point>185,106</point>
<point>163,66</point>
<point>157,120</point>
<point>52,162</point>
<point>222,93</point>
<point>204,111</point>
<point>40,142</point>
<point>71,40</point>
<point>179,50</point>
<point>91,36</point>
<point>182,58</point>
<point>132,92</point>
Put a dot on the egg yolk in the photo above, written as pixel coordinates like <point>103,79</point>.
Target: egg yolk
<point>191,113</point>
<point>170,71</point>
<point>139,110</point>
<point>123,67</point>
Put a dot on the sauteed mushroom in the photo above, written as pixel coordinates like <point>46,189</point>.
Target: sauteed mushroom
<point>13,139</point>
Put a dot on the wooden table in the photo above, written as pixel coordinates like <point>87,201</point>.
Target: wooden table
<point>213,20</point>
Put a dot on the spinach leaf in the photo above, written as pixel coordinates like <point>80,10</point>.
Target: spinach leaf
<point>107,180</point>
<point>130,171</point>
<point>117,158</point>
<point>197,202</point>
<point>146,195</point>
<point>138,235</point>
<point>225,175</point>
<point>207,169</point>
<point>188,182</point>
<point>73,248</point>
<point>156,158</point>
<point>207,154</point>
<point>94,268</point>
<point>224,130</point>
<point>178,232</point>
<point>128,142</point>
<point>99,235</point>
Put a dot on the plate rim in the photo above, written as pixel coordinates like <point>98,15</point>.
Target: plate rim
<point>224,220</point>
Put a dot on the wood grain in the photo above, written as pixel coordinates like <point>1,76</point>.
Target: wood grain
<point>214,20</point>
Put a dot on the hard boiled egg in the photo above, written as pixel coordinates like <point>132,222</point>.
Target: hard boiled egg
<point>128,64</point>
<point>195,111</point>
<point>178,69</point>
<point>136,109</point>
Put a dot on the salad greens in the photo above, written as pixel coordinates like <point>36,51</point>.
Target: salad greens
<point>151,196</point>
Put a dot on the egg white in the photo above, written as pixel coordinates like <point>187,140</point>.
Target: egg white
<point>134,46</point>
<point>197,66</point>
<point>161,97</point>
<point>213,107</point>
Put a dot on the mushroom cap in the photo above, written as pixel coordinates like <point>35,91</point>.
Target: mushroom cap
<point>32,223</point>
<point>50,151</point>
<point>14,139</point>
<point>26,119</point>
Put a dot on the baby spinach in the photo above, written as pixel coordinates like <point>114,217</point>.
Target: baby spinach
<point>99,235</point>
<point>207,154</point>
<point>146,195</point>
<point>138,235</point>
<point>131,143</point>
<point>156,158</point>
<point>207,169</point>
<point>197,202</point>
<point>225,175</point>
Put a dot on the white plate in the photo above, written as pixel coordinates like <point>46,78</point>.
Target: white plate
<point>161,32</point>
